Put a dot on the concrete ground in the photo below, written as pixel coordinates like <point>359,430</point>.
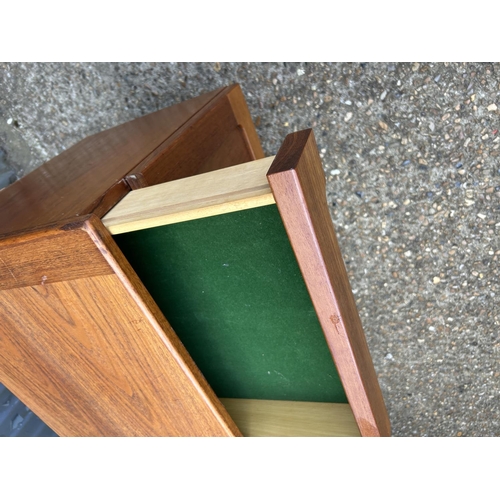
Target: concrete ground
<point>411,155</point>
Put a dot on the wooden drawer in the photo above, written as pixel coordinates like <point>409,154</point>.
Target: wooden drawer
<point>152,320</point>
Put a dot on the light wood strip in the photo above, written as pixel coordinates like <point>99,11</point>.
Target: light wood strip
<point>262,418</point>
<point>222,191</point>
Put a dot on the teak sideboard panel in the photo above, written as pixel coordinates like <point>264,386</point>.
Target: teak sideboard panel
<point>93,175</point>
<point>85,347</point>
<point>219,135</point>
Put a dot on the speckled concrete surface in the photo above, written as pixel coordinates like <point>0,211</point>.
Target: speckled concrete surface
<point>411,154</point>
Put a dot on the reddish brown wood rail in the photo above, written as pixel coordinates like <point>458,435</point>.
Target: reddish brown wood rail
<point>297,180</point>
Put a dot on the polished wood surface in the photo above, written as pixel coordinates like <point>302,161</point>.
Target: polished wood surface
<point>219,135</point>
<point>88,176</point>
<point>82,342</point>
<point>244,120</point>
<point>49,255</point>
<point>221,191</point>
<point>264,418</point>
<point>297,180</point>
<point>235,149</point>
<point>87,349</point>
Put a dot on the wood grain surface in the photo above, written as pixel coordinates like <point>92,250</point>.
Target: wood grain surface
<point>43,257</point>
<point>92,355</point>
<point>244,120</point>
<point>219,135</point>
<point>82,342</point>
<point>88,176</point>
<point>267,418</point>
<point>221,191</point>
<point>297,180</point>
<point>235,148</point>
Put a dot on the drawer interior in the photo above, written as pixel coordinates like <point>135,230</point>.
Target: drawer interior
<point>232,290</point>
<point>230,286</point>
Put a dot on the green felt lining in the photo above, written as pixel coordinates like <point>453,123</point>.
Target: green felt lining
<point>231,288</point>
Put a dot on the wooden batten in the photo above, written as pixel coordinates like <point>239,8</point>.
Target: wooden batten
<point>264,418</point>
<point>213,193</point>
<point>297,180</point>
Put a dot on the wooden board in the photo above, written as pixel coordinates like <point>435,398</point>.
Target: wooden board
<point>297,180</point>
<point>264,418</point>
<point>223,191</point>
<point>220,135</point>
<point>88,177</point>
<point>86,348</point>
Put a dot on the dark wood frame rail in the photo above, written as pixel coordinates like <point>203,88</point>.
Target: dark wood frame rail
<point>82,342</point>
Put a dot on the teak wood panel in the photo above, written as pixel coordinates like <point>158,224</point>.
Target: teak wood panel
<point>85,346</point>
<point>234,149</point>
<point>211,131</point>
<point>298,183</point>
<point>220,135</point>
<point>88,177</point>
